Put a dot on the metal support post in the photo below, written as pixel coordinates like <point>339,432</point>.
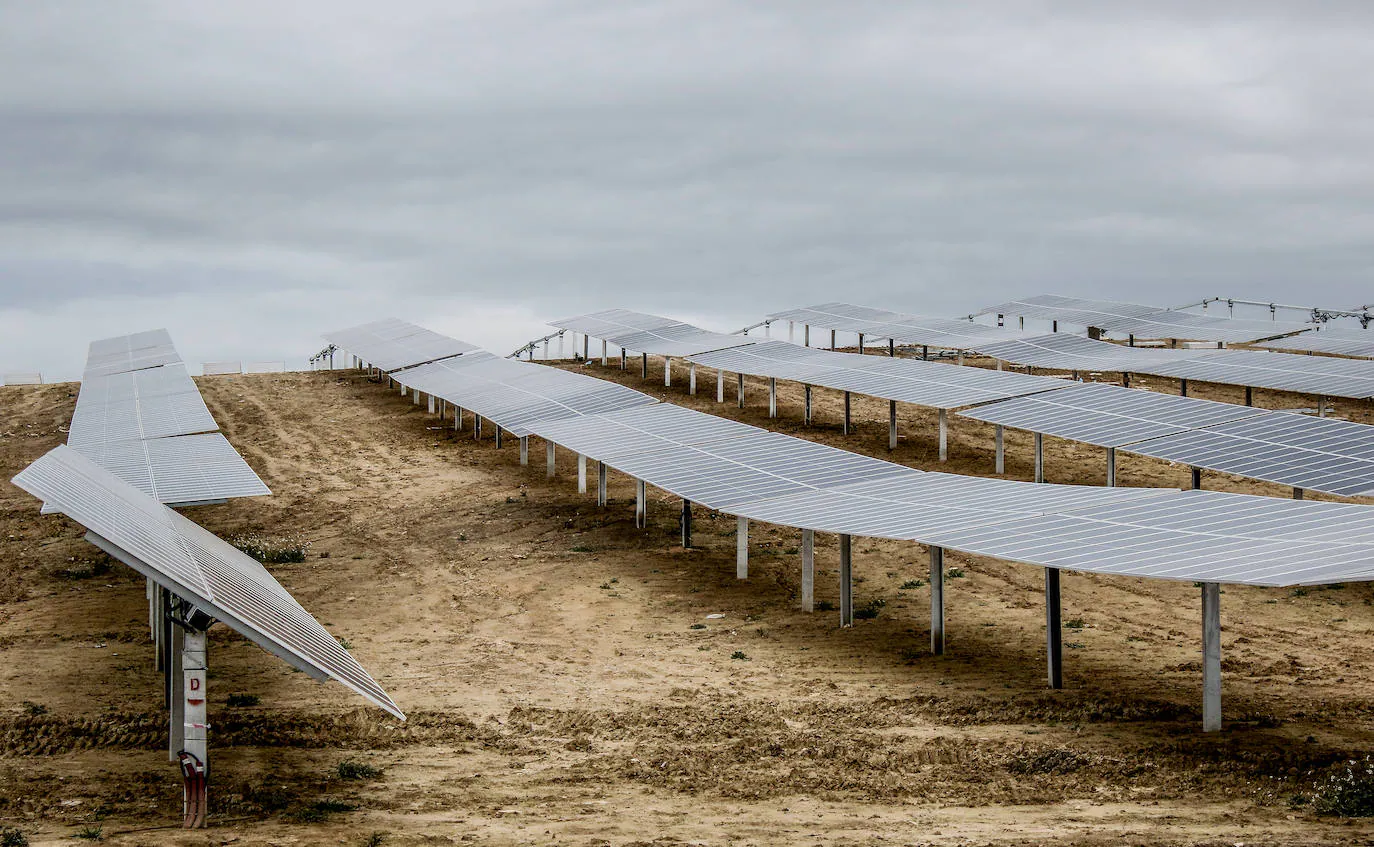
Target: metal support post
<point>431,404</point>
<point>176,699</point>
<point>586,347</point>
<point>1054,635</point>
<point>603,352</point>
<point>1125,379</point>
<point>806,335</point>
<point>861,344</point>
<point>832,339</point>
<point>720,386</point>
<point>1111,467</point>
<point>1298,493</point>
<point>667,371</point>
<point>581,473</point>
<point>892,424</point>
<point>944,435</point>
<point>1001,450</point>
<point>846,581</point>
<point>1211,657</point>
<point>808,576</point>
<point>739,390</point>
<point>548,459</point>
<point>1249,396</point>
<point>524,450</point>
<point>476,427</point>
<point>1039,457</point>
<point>643,365</point>
<point>600,483</point>
<point>925,353</point>
<point>772,397</point>
<point>937,600</point>
<point>686,524</point>
<point>498,438</point>
<point>1196,474</point>
<point>742,540</point>
<point>806,405</point>
<point>846,413</point>
<point>624,365</point>
<point>1183,388</point>
<point>692,378</point>
<point>892,347</point>
<point>641,506</point>
<point>1321,406</point>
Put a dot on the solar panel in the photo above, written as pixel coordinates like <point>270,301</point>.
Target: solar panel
<point>1321,375</point>
<point>392,344</point>
<point>1341,341</point>
<point>931,384</point>
<point>1319,454</point>
<point>181,470</point>
<point>905,329</point>
<point>195,565</point>
<point>1078,310</point>
<point>1108,415</point>
<point>1141,320</point>
<point>652,334</point>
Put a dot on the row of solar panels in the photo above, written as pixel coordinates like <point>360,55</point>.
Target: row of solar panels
<point>762,475</point>
<point>1318,454</point>
<point>141,438</point>
<point>1144,321</point>
<point>141,416</point>
<point>1316,375</point>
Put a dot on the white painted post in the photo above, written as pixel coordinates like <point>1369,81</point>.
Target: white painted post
<point>641,506</point>
<point>937,600</point>
<point>692,378</point>
<point>581,474</point>
<point>772,397</point>
<point>431,404</point>
<point>944,435</point>
<point>808,576</point>
<point>791,330</point>
<point>548,459</point>
<point>892,424</point>
<point>524,450</point>
<point>720,386</point>
<point>1211,657</point>
<point>1001,450</point>
<point>600,483</point>
<point>195,731</point>
<point>1039,457</point>
<point>667,371</point>
<point>177,701</point>
<point>846,581</point>
<point>742,536</point>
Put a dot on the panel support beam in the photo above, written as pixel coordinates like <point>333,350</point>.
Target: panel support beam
<point>937,600</point>
<point>742,540</point>
<point>808,575</point>
<point>846,581</point>
<point>1211,657</point>
<point>1054,634</point>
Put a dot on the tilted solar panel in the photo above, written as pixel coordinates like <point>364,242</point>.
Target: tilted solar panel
<point>652,334</point>
<point>1341,341</point>
<point>391,344</point>
<point>195,565</point>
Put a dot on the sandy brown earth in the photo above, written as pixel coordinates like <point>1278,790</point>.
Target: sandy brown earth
<point>565,685</point>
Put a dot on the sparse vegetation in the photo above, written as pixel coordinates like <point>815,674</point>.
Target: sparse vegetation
<point>1074,623</point>
<point>239,701</point>
<point>33,709</point>
<point>581,548</point>
<point>375,839</point>
<point>92,832</point>
<point>354,770</point>
<point>824,606</point>
<point>954,573</point>
<point>697,626</point>
<point>13,836</point>
<point>911,585</point>
<point>273,549</point>
<point>739,654</point>
<point>870,610</point>
<point>1348,791</point>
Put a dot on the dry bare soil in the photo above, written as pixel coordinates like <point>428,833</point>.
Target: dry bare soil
<point>565,683</point>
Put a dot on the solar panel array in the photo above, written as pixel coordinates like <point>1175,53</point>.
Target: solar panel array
<point>1318,454</point>
<point>643,333</point>
<point>195,565</point>
<point>906,329</point>
<point>393,344</point>
<point>1143,321</point>
<point>762,475</point>
<point>933,384</point>
<point>1340,341</point>
<point>140,415</point>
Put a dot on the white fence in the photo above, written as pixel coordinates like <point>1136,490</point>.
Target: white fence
<point>264,367</point>
<point>221,368</point>
<point>22,379</point>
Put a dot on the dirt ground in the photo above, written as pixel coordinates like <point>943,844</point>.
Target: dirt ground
<point>566,682</point>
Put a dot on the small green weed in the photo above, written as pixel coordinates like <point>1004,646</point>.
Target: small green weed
<point>739,654</point>
<point>12,836</point>
<point>955,573</point>
<point>351,769</point>
<point>911,585</point>
<point>91,833</point>
<point>1074,623</point>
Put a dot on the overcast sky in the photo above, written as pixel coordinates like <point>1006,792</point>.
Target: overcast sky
<point>250,174</point>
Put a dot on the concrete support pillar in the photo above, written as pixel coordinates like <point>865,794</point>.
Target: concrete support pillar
<point>600,483</point>
<point>846,413</point>
<point>1211,657</point>
<point>667,371</point>
<point>808,576</point>
<point>772,397</point>
<point>742,534</point>
<point>175,694</point>
<point>846,581</point>
<point>1111,467</point>
<point>686,524</point>
<point>1001,449</point>
<point>524,450</point>
<point>692,378</point>
<point>892,425</point>
<point>193,755</point>
<point>581,474</point>
<point>806,405</point>
<point>1298,494</point>
<point>937,600</point>
<point>739,390</point>
<point>431,404</point>
<point>548,459</point>
<point>1054,634</point>
<point>641,504</point>
<point>944,435</point>
<point>1039,457</point>
<point>720,386</point>
<point>1196,478</point>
